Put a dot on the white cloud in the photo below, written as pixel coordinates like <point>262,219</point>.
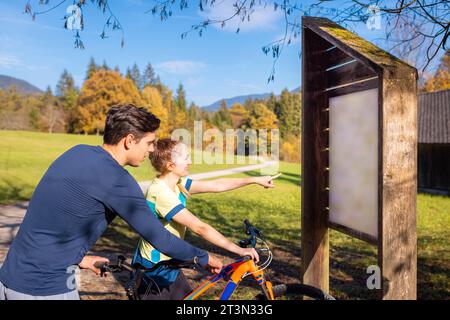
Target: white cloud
<point>9,61</point>
<point>179,67</point>
<point>261,18</point>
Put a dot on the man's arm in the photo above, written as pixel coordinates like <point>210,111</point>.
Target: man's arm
<point>126,199</point>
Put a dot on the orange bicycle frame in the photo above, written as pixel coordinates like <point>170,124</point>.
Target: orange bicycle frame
<point>234,273</point>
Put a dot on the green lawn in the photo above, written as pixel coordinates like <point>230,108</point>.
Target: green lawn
<point>25,156</point>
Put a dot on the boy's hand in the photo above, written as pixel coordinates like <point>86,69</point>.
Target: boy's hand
<point>214,264</point>
<point>266,181</point>
<point>250,252</point>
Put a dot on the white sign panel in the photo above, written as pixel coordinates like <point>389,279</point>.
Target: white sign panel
<point>353,161</point>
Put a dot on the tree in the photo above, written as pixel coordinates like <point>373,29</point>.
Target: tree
<point>239,116</point>
<point>262,118</point>
<point>128,74</point>
<point>285,111</point>
<point>193,114</point>
<point>135,75</point>
<point>67,93</point>
<point>101,91</point>
<point>92,67</point>
<point>271,102</point>
<point>149,76</point>
<point>297,114</point>
<point>222,118</point>
<point>181,99</point>
<point>153,101</point>
<point>12,112</point>
<point>105,65</point>
<point>52,117</point>
<point>441,79</point>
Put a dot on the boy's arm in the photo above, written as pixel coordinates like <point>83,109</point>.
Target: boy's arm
<point>207,232</point>
<point>226,184</point>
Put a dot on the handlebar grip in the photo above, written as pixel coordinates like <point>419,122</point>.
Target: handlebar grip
<point>244,243</point>
<point>100,264</point>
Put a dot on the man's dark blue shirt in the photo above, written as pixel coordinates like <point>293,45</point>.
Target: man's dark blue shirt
<point>79,195</point>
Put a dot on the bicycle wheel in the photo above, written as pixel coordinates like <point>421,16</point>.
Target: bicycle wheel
<point>296,291</point>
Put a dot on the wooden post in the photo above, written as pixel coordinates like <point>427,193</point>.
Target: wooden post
<point>315,243</point>
<point>397,250</point>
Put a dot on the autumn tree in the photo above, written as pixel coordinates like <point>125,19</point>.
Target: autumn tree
<point>441,79</point>
<point>262,118</point>
<point>101,91</point>
<point>153,101</point>
<point>239,116</point>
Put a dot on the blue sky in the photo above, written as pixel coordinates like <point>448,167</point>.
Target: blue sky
<point>220,64</point>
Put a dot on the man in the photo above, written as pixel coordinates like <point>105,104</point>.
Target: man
<point>79,195</point>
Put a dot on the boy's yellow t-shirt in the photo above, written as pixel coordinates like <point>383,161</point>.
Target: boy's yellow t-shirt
<point>165,204</point>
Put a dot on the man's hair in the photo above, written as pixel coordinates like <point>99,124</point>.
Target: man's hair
<point>122,120</point>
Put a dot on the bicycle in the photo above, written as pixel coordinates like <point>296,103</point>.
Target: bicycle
<point>233,273</point>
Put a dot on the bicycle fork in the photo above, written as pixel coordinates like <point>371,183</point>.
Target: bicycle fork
<point>240,273</point>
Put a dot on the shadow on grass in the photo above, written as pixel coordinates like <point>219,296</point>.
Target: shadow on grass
<point>13,190</point>
<point>285,176</point>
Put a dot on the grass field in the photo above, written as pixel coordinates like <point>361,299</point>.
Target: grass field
<point>276,212</point>
<point>25,156</point>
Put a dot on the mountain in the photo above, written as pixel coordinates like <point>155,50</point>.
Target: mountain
<point>21,85</point>
<point>238,99</point>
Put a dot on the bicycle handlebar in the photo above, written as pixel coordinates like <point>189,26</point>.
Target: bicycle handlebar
<point>104,267</point>
<point>254,233</point>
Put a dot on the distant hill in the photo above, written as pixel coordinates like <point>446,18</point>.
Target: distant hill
<point>21,85</point>
<point>238,99</point>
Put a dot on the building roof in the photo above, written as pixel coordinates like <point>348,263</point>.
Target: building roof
<point>338,35</point>
<point>434,117</point>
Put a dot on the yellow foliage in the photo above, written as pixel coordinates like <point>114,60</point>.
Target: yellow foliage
<point>441,79</point>
<point>153,102</point>
<point>100,92</point>
<point>263,118</point>
<point>238,115</point>
<point>290,149</point>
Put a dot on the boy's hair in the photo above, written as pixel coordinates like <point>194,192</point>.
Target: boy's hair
<point>162,155</point>
<point>122,120</point>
